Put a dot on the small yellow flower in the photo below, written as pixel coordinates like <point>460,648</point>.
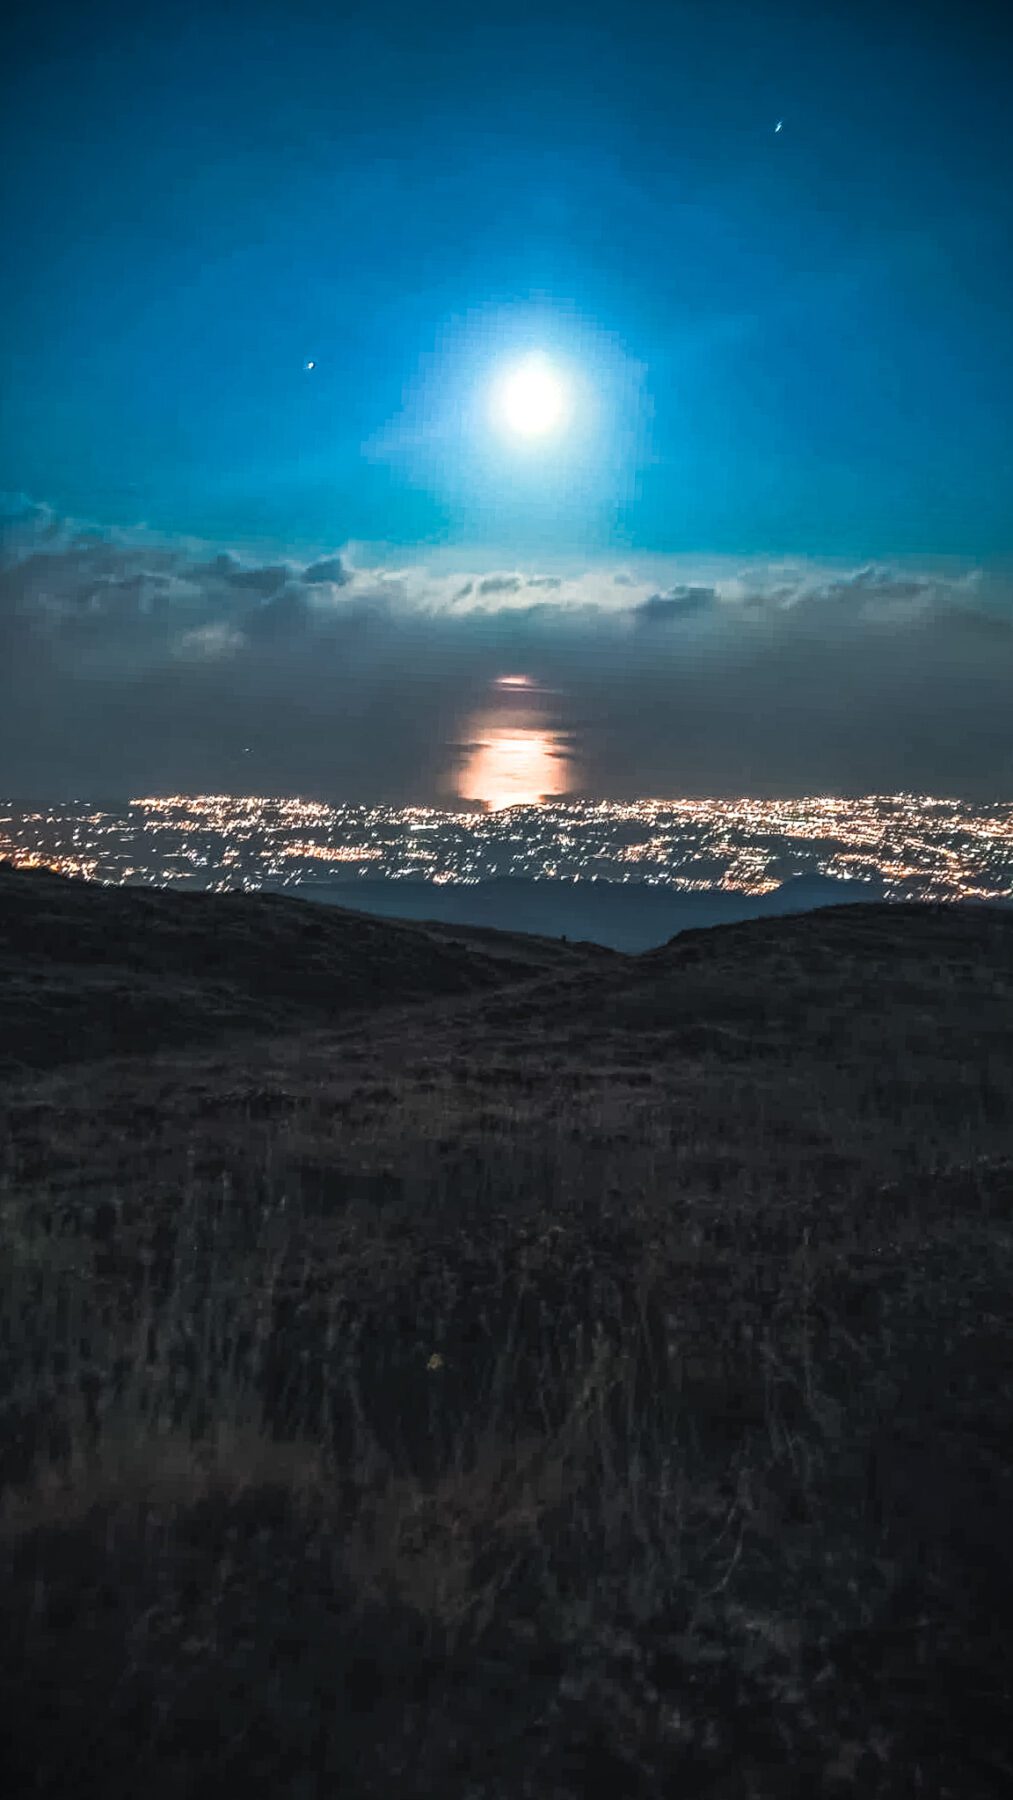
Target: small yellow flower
<point>435,1361</point>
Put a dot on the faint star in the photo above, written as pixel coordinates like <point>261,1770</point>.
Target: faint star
<point>312,365</point>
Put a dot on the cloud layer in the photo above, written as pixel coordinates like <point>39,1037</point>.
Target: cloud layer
<point>129,664</point>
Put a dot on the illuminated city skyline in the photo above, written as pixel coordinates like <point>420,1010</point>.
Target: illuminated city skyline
<point>915,846</point>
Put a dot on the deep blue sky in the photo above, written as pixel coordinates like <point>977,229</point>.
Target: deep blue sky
<point>799,342</point>
<point>772,553</point>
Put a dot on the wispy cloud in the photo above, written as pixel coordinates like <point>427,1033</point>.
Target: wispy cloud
<point>128,659</point>
<point>681,603</point>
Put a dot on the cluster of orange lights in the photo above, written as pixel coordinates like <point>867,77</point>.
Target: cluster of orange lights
<point>520,771</point>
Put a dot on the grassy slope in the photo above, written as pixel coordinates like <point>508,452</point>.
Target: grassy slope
<point>87,971</point>
<point>594,1383</point>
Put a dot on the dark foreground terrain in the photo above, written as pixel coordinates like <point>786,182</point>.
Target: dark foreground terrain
<point>454,1366</point>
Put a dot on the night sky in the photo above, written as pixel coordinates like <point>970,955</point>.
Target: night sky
<point>268,523</point>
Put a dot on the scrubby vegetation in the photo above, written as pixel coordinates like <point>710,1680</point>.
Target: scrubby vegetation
<point>598,1384</point>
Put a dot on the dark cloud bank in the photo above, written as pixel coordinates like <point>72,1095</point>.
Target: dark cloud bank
<point>129,666</point>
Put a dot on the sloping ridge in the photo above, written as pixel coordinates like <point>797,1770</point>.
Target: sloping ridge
<point>88,971</point>
<point>788,984</point>
<point>837,975</point>
<point>903,928</point>
<point>628,916</point>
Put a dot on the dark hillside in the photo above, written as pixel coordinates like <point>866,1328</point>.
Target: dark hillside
<point>87,971</point>
<point>851,977</point>
<point>585,1378</point>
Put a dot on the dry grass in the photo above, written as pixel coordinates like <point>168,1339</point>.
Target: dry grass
<point>443,1408</point>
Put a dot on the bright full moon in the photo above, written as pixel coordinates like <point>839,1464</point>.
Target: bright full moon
<point>531,398</point>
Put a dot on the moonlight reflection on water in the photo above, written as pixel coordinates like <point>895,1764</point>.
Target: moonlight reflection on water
<point>515,768</point>
<point>515,756</point>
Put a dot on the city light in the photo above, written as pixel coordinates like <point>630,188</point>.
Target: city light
<point>914,846</point>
